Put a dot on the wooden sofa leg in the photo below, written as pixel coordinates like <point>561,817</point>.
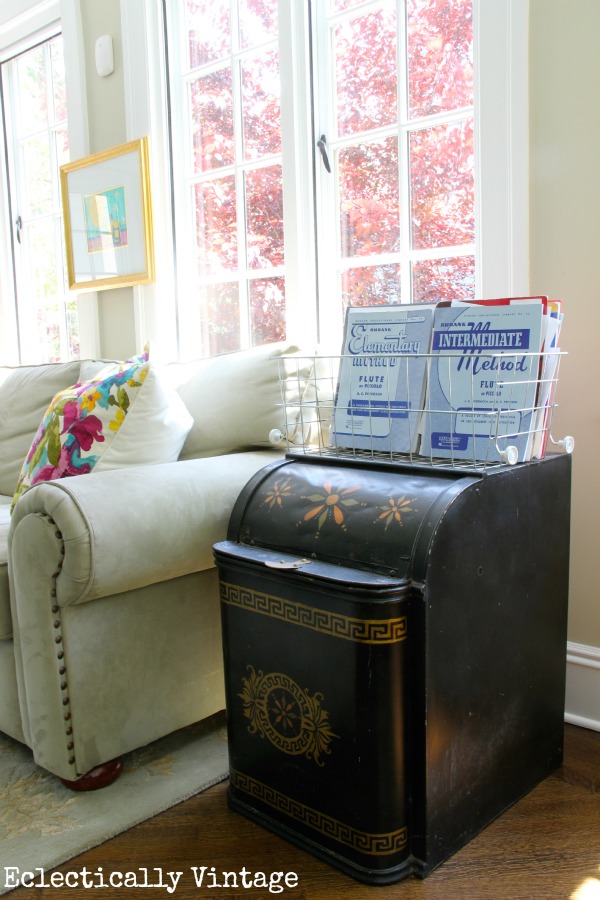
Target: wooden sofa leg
<point>99,777</point>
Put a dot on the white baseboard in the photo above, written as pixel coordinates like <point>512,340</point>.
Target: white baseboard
<point>582,702</point>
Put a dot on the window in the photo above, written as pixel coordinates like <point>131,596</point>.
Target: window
<point>420,109</point>
<point>395,108</point>
<point>394,104</point>
<point>36,138</point>
<point>228,172</point>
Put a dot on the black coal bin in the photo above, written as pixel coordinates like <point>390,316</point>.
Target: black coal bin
<point>394,646</point>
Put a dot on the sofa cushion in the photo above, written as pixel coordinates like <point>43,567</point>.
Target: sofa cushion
<point>125,417</point>
<point>25,392</point>
<point>236,399</point>
<point>5,619</point>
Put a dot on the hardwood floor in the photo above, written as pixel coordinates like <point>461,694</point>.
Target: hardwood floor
<point>547,845</point>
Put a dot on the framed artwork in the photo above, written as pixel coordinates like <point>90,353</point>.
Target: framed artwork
<point>108,218</point>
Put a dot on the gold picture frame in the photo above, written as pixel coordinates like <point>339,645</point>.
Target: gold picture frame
<point>107,214</point>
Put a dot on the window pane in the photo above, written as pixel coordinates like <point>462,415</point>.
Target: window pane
<point>264,211</point>
<point>216,228</point>
<point>208,30</point>
<point>58,81</point>
<point>261,106</point>
<point>35,106</point>
<point>222,307</point>
<point>267,310</point>
<point>371,285</point>
<point>234,114</point>
<point>44,255</point>
<point>258,21</point>
<point>32,108</point>
<point>47,318</point>
<point>442,185</point>
<point>42,310</point>
<point>61,138</point>
<point>440,55</point>
<point>73,327</point>
<point>365,71</point>
<point>369,201</point>
<point>38,175</point>
<point>342,5</point>
<point>452,278</point>
<point>211,99</point>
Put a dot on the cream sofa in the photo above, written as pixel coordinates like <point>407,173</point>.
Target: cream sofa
<point>109,609</point>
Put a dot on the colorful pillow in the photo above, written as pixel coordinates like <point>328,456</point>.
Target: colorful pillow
<point>123,417</point>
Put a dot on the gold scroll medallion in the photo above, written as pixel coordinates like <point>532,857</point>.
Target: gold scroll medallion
<point>288,716</point>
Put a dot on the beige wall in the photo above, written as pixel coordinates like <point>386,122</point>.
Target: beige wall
<point>565,252</point>
<point>105,95</point>
<point>107,127</point>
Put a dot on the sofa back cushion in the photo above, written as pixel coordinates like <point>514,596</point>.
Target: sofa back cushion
<point>25,394</point>
<point>236,399</point>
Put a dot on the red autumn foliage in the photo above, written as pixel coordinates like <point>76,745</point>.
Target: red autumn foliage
<point>378,124</point>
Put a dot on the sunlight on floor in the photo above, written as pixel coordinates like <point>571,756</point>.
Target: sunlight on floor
<point>587,890</point>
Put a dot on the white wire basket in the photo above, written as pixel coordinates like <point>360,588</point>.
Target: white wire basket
<point>424,410</point>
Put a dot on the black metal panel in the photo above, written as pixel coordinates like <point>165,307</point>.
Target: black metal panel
<point>494,652</point>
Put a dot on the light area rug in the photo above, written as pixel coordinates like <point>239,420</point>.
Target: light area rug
<point>43,824</point>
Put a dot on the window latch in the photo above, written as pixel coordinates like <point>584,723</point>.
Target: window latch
<point>19,224</point>
<point>322,145</point>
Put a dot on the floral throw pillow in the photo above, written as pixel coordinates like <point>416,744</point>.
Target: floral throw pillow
<point>124,417</point>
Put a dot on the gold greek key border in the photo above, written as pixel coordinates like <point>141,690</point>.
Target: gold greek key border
<point>363,631</point>
<point>361,841</point>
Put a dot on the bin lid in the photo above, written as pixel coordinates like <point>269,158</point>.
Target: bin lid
<point>381,518</point>
<point>337,576</point>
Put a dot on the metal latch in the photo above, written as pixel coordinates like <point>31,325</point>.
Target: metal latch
<point>286,563</point>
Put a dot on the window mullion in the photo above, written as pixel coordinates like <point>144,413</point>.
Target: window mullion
<point>54,216</point>
<point>189,314</point>
<point>500,43</point>
<point>240,178</point>
<point>24,311</point>
<point>405,286</point>
<point>297,160</point>
<point>326,184</point>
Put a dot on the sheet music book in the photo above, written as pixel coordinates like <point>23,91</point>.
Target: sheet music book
<point>382,377</point>
<point>484,379</point>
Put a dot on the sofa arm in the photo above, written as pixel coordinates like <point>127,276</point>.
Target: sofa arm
<point>127,528</point>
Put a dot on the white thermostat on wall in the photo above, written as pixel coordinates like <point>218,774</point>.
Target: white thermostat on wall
<point>105,63</point>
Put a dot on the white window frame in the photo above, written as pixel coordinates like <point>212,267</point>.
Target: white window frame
<point>501,164</point>
<point>502,147</point>
<point>16,35</point>
<point>146,113</point>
